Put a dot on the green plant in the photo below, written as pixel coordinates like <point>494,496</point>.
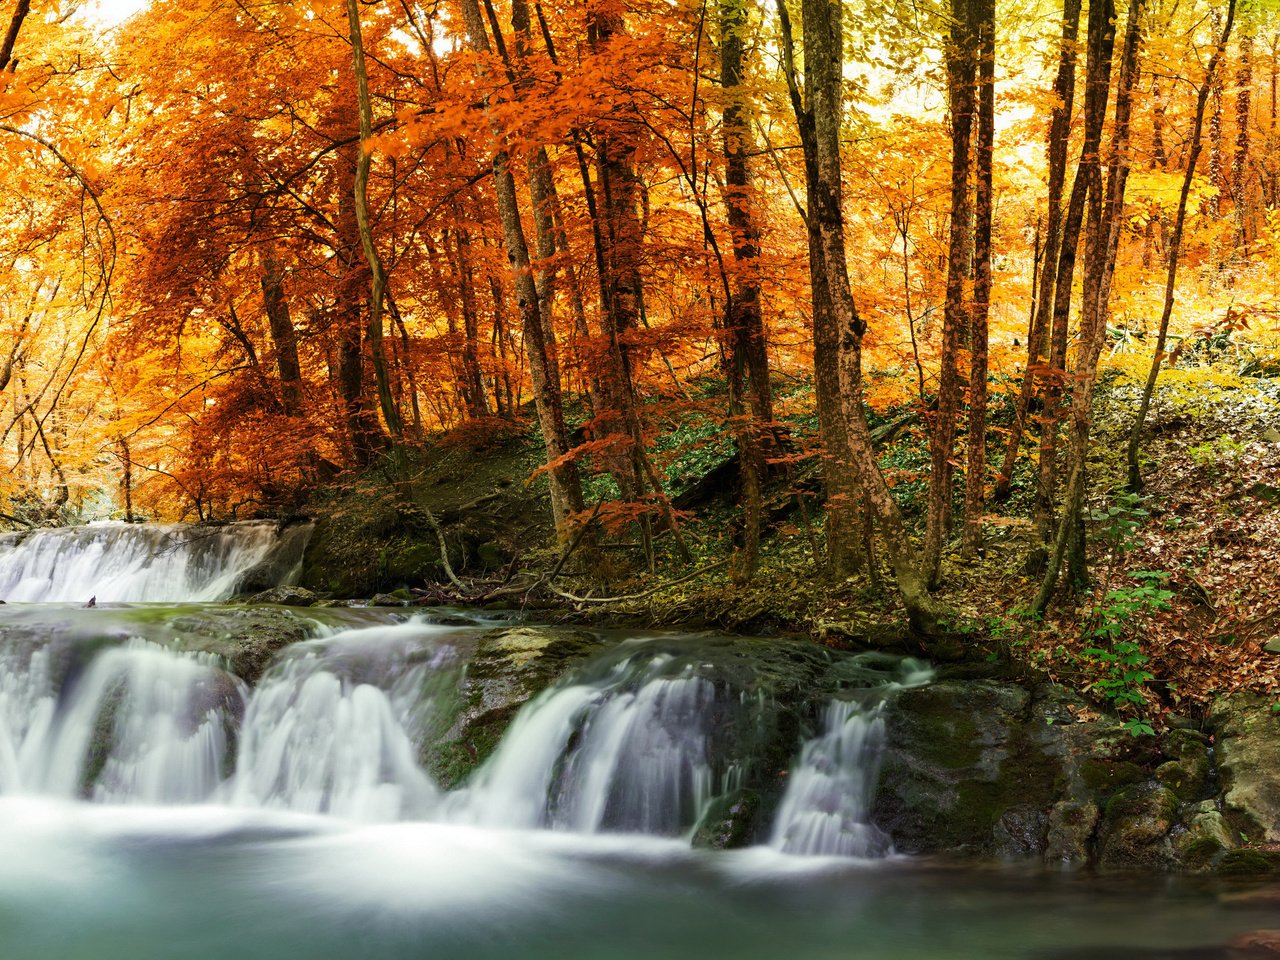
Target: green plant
<point>1217,452</point>
<point>1121,662</point>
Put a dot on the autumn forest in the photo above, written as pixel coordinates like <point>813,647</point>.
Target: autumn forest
<point>253,248</point>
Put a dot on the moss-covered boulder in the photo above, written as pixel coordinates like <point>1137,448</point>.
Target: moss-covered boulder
<point>1248,753</point>
<point>1135,828</point>
<point>972,768</point>
<point>507,669</point>
<point>1204,839</point>
<point>246,638</point>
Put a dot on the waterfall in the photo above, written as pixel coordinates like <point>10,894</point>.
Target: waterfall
<point>143,724</point>
<point>136,562</point>
<point>332,727</point>
<point>631,752</point>
<point>831,788</point>
<point>826,808</point>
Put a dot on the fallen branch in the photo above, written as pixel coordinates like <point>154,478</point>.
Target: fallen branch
<point>643,593</point>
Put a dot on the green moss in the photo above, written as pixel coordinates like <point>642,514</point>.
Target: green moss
<point>1249,862</point>
<point>1105,777</point>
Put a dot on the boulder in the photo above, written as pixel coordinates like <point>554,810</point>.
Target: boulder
<point>286,597</point>
<point>1248,754</point>
<point>1135,828</point>
<point>972,767</point>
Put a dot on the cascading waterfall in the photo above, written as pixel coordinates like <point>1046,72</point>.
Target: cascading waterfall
<point>134,562</point>
<point>826,808</point>
<point>829,794</point>
<point>631,752</point>
<point>331,728</point>
<point>644,739</point>
<point>143,724</point>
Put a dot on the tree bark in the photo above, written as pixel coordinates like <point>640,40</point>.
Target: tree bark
<point>562,473</point>
<point>961,60</point>
<point>976,454</point>
<point>1038,351</point>
<point>1175,245</point>
<point>819,122</point>
<point>284,338</point>
<point>1102,242</point>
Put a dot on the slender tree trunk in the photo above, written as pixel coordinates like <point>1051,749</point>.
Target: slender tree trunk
<point>1038,350</point>
<point>473,393</point>
<point>976,459</point>
<point>1175,246</point>
<point>1244,119</point>
<point>843,523</point>
<point>1102,242</point>
<point>284,338</point>
<point>377,273</point>
<point>566,489</point>
<point>819,122</point>
<point>961,58</point>
<point>747,360</point>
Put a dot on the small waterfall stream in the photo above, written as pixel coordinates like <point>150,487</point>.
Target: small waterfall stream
<point>827,805</point>
<point>332,728</point>
<point>631,752</point>
<point>121,562</point>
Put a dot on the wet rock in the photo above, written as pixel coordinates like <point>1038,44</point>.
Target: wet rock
<point>1250,862</point>
<point>972,767</point>
<point>287,597</point>
<point>1248,754</point>
<point>1188,773</point>
<point>730,822</point>
<point>1205,838</point>
<point>1070,832</point>
<point>1255,943</point>
<point>1135,827</point>
<point>246,638</point>
<point>508,668</point>
<point>281,563</point>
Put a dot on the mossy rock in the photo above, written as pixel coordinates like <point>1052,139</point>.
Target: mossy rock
<point>1103,776</point>
<point>508,668</point>
<point>970,768</point>
<point>1248,755</point>
<point>730,822</point>
<point>1136,825</point>
<point>1070,832</point>
<point>1250,862</point>
<point>246,638</point>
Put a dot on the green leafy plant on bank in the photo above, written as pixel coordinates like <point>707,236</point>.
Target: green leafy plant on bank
<point>1114,651</point>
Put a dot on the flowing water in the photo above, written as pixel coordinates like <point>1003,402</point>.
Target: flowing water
<point>153,805</point>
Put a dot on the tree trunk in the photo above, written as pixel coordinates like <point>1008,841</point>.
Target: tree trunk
<point>377,273</point>
<point>1038,339</point>
<point>565,487</point>
<point>819,122</point>
<point>961,59</point>
<point>284,338</point>
<point>1102,242</point>
<point>976,459</point>
<point>1175,245</point>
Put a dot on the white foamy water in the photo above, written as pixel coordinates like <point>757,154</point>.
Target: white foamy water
<point>123,562</point>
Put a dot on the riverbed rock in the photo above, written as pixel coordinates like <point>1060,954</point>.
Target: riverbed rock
<point>971,768</point>
<point>1255,944</point>
<point>508,668</point>
<point>246,637</point>
<point>287,597</point>
<point>1069,839</point>
<point>1136,825</point>
<point>281,564</point>
<point>1248,754</point>
<point>1205,839</point>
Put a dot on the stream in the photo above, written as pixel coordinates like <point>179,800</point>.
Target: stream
<point>154,804</point>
